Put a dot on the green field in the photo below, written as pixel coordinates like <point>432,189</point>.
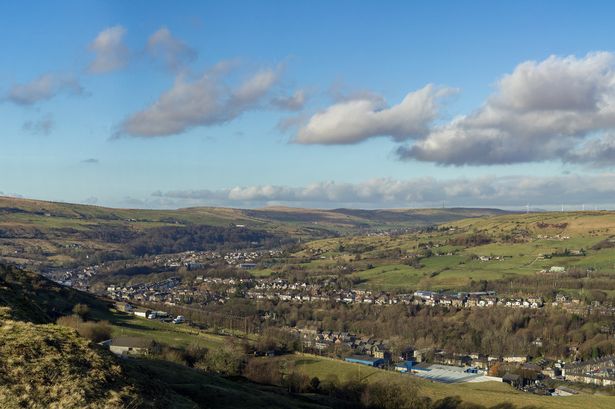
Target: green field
<point>521,245</point>
<point>175,335</point>
<point>485,393</point>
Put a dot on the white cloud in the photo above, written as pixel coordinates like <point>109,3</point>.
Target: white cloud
<point>254,87</point>
<point>596,152</point>
<point>172,52</point>
<point>110,53</point>
<point>366,116</point>
<point>43,88</point>
<point>420,192</point>
<point>541,111</point>
<point>205,101</point>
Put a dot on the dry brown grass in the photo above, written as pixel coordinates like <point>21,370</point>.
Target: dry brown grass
<point>47,366</point>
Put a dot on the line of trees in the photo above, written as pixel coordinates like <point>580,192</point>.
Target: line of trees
<point>494,331</point>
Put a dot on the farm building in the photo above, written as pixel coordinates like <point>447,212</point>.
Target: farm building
<point>404,366</point>
<point>141,312</point>
<point>445,373</point>
<point>365,360</point>
<point>129,346</point>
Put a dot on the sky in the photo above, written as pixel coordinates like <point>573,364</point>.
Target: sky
<point>327,104</point>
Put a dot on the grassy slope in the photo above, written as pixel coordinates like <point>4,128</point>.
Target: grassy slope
<point>15,211</point>
<point>34,298</point>
<point>217,392</point>
<point>48,366</point>
<point>167,333</point>
<point>584,229</point>
<point>487,393</point>
<point>34,232</point>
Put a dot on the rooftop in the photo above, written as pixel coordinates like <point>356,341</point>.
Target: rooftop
<point>131,342</point>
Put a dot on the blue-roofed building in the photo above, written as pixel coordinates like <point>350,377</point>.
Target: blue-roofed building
<point>365,360</point>
<point>404,366</point>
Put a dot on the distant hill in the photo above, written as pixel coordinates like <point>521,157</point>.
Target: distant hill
<point>460,254</point>
<point>345,219</point>
<point>41,234</point>
<point>16,211</point>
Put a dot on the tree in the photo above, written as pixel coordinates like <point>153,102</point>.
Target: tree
<point>450,402</point>
<point>314,384</point>
<point>82,310</point>
<point>386,395</point>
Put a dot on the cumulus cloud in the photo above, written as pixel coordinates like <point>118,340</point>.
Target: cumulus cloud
<point>208,100</point>
<point>596,152</point>
<point>172,52</point>
<point>42,126</point>
<point>110,53</point>
<point>374,193</point>
<point>541,111</point>
<point>43,88</point>
<point>367,116</point>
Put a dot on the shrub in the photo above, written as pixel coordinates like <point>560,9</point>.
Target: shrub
<point>82,310</point>
<point>94,331</point>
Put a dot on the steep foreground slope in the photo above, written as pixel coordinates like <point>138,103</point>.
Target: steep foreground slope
<point>47,366</point>
<point>44,365</point>
<point>33,298</point>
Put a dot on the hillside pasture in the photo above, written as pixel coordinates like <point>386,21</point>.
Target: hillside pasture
<point>485,393</point>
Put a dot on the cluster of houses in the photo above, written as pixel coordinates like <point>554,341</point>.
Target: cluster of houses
<point>577,306</point>
<point>437,365</point>
<point>310,292</point>
<point>195,260</point>
<point>78,278</point>
<point>149,314</point>
<point>164,291</point>
<point>320,341</point>
<point>212,289</point>
<point>378,351</point>
<point>559,237</point>
<point>237,258</point>
<point>519,371</point>
<point>190,259</point>
<point>493,258</point>
<point>475,299</point>
<point>279,289</point>
<point>595,371</point>
<point>206,290</point>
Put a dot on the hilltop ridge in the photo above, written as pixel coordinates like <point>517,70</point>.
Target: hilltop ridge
<point>42,235</point>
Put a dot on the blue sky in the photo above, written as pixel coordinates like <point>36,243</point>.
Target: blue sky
<point>172,104</point>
